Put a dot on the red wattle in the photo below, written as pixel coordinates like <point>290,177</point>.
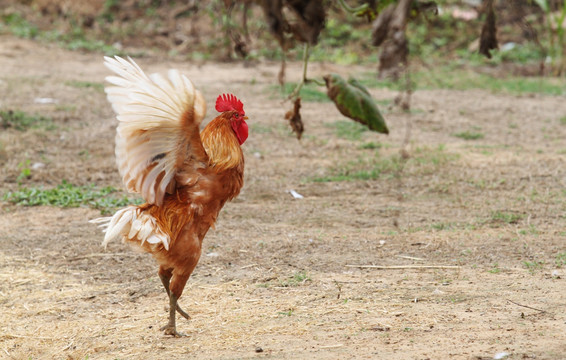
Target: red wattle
<point>241,130</point>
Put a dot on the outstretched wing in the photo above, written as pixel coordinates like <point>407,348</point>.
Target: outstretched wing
<point>158,133</point>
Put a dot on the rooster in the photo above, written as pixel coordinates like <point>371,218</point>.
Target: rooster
<point>184,176</point>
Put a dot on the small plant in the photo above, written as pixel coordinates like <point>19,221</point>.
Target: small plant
<point>533,266</point>
<point>84,154</point>
<point>457,299</point>
<point>25,171</point>
<point>108,11</point>
<point>86,85</point>
<point>370,146</point>
<point>506,217</point>
<point>285,313</point>
<point>469,135</point>
<point>297,279</point>
<point>495,269</point>
<point>444,226</point>
<point>560,259</point>
<point>466,252</point>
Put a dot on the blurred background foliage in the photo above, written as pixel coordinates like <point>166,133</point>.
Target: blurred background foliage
<point>530,39</point>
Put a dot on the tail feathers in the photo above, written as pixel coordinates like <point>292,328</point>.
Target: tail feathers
<point>131,224</point>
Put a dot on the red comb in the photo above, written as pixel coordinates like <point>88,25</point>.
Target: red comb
<point>228,102</point>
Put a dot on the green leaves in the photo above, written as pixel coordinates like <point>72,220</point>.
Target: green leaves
<point>68,195</point>
<point>353,100</point>
<point>543,5</point>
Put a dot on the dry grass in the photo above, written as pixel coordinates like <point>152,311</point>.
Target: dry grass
<point>274,274</point>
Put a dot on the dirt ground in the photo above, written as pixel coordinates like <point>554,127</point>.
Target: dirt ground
<point>280,277</point>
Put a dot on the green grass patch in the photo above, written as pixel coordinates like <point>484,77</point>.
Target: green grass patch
<point>370,146</point>
<point>74,39</point>
<point>285,313</point>
<point>533,266</point>
<point>506,217</point>
<point>280,129</point>
<point>86,85</point>
<point>17,25</point>
<point>77,40</point>
<point>423,161</point>
<point>363,168</point>
<point>444,226</point>
<point>22,121</point>
<point>67,195</point>
<point>25,170</point>
<point>297,279</point>
<point>560,260</point>
<point>495,269</point>
<point>339,43</point>
<point>426,160</point>
<point>372,174</point>
<point>469,135</point>
<point>309,92</point>
<point>455,78</point>
<point>349,130</point>
<point>521,53</point>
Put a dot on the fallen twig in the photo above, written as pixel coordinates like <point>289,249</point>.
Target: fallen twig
<point>248,266</point>
<point>396,267</point>
<point>95,255</point>
<point>14,336</point>
<point>410,257</point>
<point>526,306</point>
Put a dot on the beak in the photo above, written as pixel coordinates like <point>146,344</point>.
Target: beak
<point>245,118</point>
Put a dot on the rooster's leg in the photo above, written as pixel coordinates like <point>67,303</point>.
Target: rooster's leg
<point>165,281</point>
<point>170,328</point>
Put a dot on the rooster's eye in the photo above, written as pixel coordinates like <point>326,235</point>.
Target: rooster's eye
<point>237,115</point>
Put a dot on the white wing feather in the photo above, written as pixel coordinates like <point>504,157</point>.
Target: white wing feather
<point>149,110</point>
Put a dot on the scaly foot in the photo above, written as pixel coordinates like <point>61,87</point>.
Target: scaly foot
<point>171,330</point>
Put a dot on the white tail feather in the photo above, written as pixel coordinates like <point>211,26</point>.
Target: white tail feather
<point>133,225</point>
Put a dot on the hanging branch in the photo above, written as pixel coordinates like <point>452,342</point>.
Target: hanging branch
<point>306,55</point>
<point>488,38</point>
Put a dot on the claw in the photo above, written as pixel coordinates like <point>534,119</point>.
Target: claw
<point>171,330</point>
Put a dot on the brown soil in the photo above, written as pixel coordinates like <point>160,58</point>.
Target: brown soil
<point>276,273</point>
